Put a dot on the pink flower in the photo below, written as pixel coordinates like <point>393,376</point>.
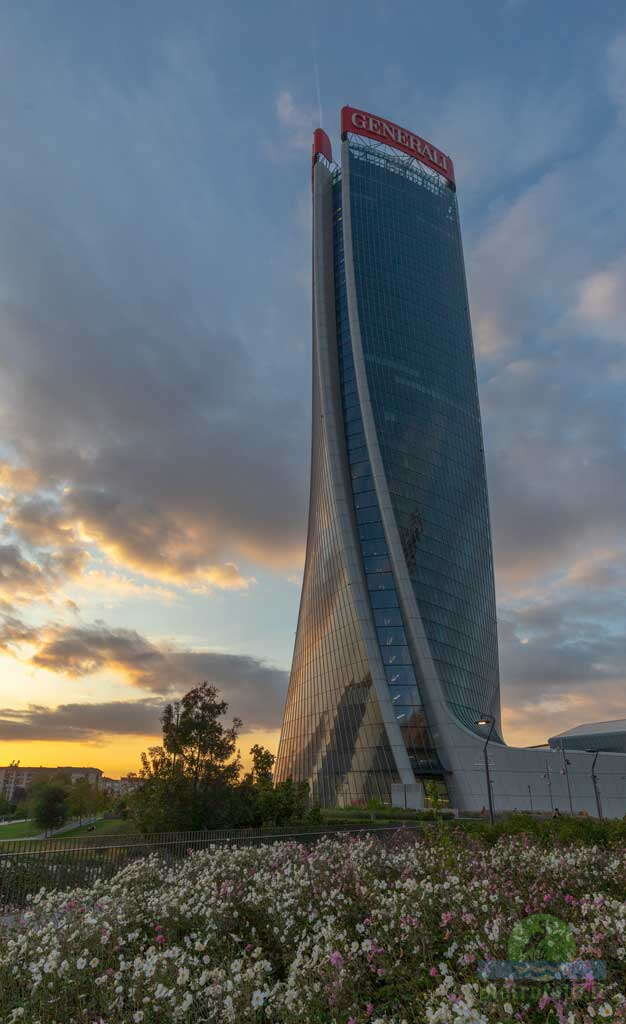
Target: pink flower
<point>369,1009</point>
<point>446,917</point>
<point>336,959</point>
<point>160,939</point>
<point>543,1002</point>
<point>433,972</point>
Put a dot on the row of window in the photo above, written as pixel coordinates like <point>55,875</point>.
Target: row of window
<point>419,358</point>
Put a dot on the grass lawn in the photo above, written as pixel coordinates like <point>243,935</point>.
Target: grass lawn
<point>19,830</point>
<point>106,827</point>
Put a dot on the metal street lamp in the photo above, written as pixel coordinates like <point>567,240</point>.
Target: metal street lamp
<point>548,777</point>
<point>490,721</point>
<point>596,788</point>
<point>565,772</point>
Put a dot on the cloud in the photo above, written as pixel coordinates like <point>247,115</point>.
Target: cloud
<point>563,650</point>
<point>254,689</point>
<point>113,585</point>
<point>546,272</point>
<point>145,415</point>
<point>14,633</point>
<point>602,302</point>
<point>600,569</point>
<point>39,520</point>
<point>616,72</point>
<point>81,723</point>
<point>23,580</point>
<point>17,478</point>
<point>298,121</point>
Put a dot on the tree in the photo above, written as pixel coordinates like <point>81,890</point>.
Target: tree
<point>83,799</point>
<point>6,808</point>
<point>262,765</point>
<point>189,781</point>
<point>49,805</point>
<point>197,741</point>
<point>192,780</point>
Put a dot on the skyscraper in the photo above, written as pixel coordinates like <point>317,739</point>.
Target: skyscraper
<point>395,670</point>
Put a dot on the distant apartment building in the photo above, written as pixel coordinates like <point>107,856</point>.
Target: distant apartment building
<point>111,786</point>
<point>119,787</point>
<point>16,779</point>
<point>128,784</point>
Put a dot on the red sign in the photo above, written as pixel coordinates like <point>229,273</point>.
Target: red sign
<point>361,123</point>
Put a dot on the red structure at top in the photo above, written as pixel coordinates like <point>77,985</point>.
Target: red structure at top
<point>321,144</point>
<point>359,122</point>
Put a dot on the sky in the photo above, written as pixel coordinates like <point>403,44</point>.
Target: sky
<point>155,343</point>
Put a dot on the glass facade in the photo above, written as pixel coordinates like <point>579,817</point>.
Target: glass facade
<point>419,358</point>
<point>332,735</point>
<point>414,330</point>
<point>393,645</point>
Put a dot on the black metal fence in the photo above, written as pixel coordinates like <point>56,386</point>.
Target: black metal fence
<point>28,865</point>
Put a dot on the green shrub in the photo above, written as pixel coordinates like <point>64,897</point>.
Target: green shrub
<point>548,831</point>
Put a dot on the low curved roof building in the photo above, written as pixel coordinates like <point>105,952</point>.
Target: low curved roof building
<point>609,736</point>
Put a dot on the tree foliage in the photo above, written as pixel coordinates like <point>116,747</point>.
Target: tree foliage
<point>193,780</point>
<point>50,805</point>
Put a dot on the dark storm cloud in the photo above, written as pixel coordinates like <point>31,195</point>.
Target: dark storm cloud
<point>254,689</point>
<point>153,426</point>
<point>81,722</point>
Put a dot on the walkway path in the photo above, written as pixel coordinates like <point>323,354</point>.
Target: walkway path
<point>57,831</point>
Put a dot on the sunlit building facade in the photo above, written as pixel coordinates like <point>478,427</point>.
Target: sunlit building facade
<point>396,660</point>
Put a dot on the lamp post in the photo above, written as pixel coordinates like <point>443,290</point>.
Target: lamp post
<point>488,720</point>
<point>530,796</point>
<point>548,777</point>
<point>596,788</point>
<point>565,772</point>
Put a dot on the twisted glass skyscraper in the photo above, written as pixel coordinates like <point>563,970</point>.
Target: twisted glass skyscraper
<point>397,629</point>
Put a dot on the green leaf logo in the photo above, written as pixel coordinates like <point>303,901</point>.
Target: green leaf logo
<point>542,937</point>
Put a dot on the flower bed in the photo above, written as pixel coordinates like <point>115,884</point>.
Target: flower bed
<point>352,931</point>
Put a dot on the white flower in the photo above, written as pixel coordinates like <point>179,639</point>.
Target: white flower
<point>81,963</point>
<point>258,998</point>
<point>138,1016</point>
<point>605,1010</point>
